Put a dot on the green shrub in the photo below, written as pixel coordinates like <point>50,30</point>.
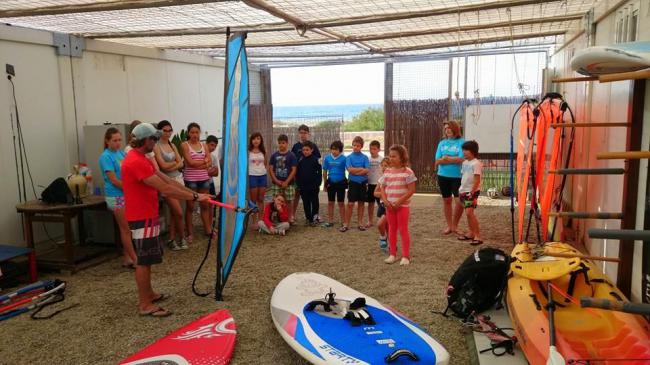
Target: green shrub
<point>371,119</point>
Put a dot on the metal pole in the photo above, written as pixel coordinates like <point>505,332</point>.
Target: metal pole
<point>619,234</point>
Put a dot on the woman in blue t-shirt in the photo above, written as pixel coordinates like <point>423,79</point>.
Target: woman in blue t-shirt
<point>449,158</point>
<point>110,162</point>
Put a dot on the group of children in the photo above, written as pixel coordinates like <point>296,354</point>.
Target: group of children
<point>386,182</point>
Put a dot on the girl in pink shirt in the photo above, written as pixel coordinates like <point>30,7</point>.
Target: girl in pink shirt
<point>398,185</point>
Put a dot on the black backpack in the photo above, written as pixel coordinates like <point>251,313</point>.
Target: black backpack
<point>478,283</point>
<point>58,192</point>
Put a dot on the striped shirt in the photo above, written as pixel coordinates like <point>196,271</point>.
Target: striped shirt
<point>395,183</point>
<point>193,173</point>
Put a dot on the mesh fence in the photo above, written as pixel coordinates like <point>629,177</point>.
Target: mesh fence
<point>324,129</point>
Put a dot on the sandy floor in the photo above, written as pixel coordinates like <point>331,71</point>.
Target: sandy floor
<point>106,328</point>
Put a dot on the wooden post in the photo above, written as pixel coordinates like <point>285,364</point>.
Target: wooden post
<point>588,125</point>
<point>635,75</point>
<point>388,104</point>
<point>601,171</point>
<point>587,215</point>
<point>574,79</point>
<point>630,187</point>
<point>628,235</point>
<point>628,155</point>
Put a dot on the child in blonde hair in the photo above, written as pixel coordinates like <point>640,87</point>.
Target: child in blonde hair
<point>397,188</point>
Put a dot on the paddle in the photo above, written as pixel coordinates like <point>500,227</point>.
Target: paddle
<point>554,357</point>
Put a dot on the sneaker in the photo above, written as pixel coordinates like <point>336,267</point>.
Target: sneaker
<point>184,245</point>
<point>313,224</point>
<point>173,246</point>
<point>383,244</point>
<point>404,261</point>
<point>391,259</point>
<point>317,219</point>
<point>327,225</point>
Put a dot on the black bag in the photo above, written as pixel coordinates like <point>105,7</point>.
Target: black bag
<point>478,283</point>
<point>58,192</point>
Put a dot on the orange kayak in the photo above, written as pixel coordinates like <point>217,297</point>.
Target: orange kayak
<point>583,335</point>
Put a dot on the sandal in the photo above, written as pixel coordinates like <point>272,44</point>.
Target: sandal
<point>343,229</point>
<point>129,265</point>
<point>362,228</point>
<point>476,242</point>
<point>160,298</point>
<point>465,238</point>
<point>447,231</point>
<point>156,312</point>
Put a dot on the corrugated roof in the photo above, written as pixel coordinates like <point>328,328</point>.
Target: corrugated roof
<point>286,30</point>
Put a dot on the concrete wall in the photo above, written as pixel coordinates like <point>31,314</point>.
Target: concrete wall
<point>58,95</point>
<point>595,102</point>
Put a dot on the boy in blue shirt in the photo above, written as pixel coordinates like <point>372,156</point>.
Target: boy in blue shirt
<point>358,166</point>
<point>283,166</point>
<point>335,182</point>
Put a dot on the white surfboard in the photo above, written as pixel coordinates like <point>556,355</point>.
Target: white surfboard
<point>621,57</point>
<point>372,333</point>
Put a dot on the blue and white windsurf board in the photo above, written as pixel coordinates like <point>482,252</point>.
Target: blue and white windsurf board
<point>326,337</point>
<point>616,58</point>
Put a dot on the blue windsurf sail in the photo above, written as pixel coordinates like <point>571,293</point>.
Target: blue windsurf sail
<point>234,177</point>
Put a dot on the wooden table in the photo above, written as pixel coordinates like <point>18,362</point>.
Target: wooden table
<point>69,257</point>
<point>10,252</point>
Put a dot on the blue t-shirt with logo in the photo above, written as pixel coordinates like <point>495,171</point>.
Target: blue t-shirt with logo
<point>358,160</point>
<point>282,164</point>
<point>335,168</point>
<point>451,148</point>
<point>111,161</point>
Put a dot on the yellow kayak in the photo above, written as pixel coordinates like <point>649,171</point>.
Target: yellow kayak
<point>583,335</point>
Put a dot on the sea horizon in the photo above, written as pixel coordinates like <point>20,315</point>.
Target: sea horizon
<point>306,112</point>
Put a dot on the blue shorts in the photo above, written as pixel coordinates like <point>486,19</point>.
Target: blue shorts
<point>198,185</point>
<point>257,181</point>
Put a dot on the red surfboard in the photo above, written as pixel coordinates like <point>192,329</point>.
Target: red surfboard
<point>208,340</point>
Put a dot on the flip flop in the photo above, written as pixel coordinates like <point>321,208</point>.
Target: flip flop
<point>465,238</point>
<point>362,228</point>
<point>343,229</point>
<point>128,266</point>
<point>476,242</point>
<point>447,232</point>
<point>160,298</point>
<point>156,312</point>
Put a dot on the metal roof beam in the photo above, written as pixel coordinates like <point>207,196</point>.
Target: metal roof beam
<point>257,45</point>
<point>277,27</point>
<point>426,13</point>
<point>465,28</point>
<point>103,6</point>
<point>301,26</point>
<point>469,42</point>
<point>259,28</point>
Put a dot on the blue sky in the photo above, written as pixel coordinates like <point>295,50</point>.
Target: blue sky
<point>364,83</point>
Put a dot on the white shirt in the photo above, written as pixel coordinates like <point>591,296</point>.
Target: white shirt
<point>468,170</point>
<point>375,170</point>
<point>256,164</point>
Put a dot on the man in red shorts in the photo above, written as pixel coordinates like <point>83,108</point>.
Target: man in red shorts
<point>141,183</point>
